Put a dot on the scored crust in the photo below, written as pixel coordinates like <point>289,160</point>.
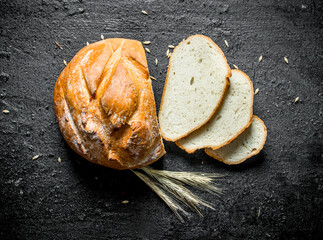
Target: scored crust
<point>211,154</point>
<point>105,105</point>
<point>226,87</point>
<point>178,143</point>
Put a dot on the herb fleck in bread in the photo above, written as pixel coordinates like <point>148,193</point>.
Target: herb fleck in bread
<point>232,118</point>
<point>196,82</point>
<point>246,145</point>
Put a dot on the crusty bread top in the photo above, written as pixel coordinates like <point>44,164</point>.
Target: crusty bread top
<point>246,145</point>
<point>197,79</point>
<point>105,105</point>
<point>232,117</point>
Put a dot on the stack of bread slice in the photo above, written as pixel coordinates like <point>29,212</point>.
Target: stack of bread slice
<point>206,105</point>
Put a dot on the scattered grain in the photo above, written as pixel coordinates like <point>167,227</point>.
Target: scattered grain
<point>147,50</point>
<point>152,78</point>
<point>125,202</point>
<point>65,63</point>
<point>102,37</point>
<point>169,55</point>
<point>146,42</point>
<point>59,45</point>
<point>144,12</point>
<point>286,60</point>
<point>35,157</point>
<point>87,44</point>
<point>226,43</point>
<point>167,52</point>
<point>296,100</point>
<point>235,66</point>
<point>59,159</point>
<point>5,111</point>
<point>171,46</point>
<point>260,59</point>
<point>156,61</point>
<point>257,91</point>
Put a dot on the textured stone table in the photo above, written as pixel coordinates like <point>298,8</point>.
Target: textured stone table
<point>275,195</point>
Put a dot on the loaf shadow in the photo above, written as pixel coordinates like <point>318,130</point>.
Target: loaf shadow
<point>107,183</point>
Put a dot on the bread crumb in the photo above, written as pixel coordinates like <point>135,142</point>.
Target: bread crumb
<point>260,59</point>
<point>65,63</point>
<point>146,42</point>
<point>296,100</point>
<point>35,157</point>
<point>257,91</point>
<point>102,37</point>
<point>59,159</point>
<point>5,111</point>
<point>125,202</point>
<point>235,66</point>
<point>147,50</point>
<point>286,60</point>
<point>226,43</point>
<point>144,12</point>
<point>156,61</point>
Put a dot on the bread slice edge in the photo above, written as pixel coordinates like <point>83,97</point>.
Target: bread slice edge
<point>208,152</point>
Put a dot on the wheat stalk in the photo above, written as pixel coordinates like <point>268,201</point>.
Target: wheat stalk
<point>199,180</point>
<point>170,187</point>
<point>171,203</point>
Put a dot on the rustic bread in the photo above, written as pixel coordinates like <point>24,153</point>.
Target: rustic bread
<point>249,143</point>
<point>232,118</point>
<point>105,105</point>
<point>196,82</point>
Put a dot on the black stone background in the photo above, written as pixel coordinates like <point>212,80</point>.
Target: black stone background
<point>275,195</point>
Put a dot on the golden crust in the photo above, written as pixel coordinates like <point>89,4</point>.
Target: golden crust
<point>105,105</point>
<point>237,134</point>
<point>249,156</point>
<point>226,87</point>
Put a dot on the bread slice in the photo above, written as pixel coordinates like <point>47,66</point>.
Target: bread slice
<point>249,143</point>
<point>196,82</point>
<point>232,118</point>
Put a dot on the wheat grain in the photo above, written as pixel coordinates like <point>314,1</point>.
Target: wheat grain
<point>144,12</point>
<point>226,43</point>
<point>260,59</point>
<point>296,100</point>
<point>59,45</point>
<point>286,60</point>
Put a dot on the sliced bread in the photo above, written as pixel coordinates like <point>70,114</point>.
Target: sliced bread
<point>232,118</point>
<point>249,143</point>
<point>196,82</point>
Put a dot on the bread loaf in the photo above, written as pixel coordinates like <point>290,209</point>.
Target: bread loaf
<point>197,79</point>
<point>105,105</point>
<point>231,119</point>
<point>246,145</point>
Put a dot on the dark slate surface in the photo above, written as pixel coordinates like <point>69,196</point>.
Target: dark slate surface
<point>276,195</point>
